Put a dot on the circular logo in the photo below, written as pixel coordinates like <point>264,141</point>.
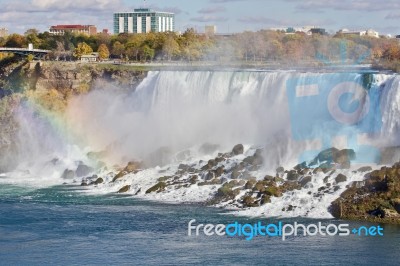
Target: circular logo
<point>357,95</point>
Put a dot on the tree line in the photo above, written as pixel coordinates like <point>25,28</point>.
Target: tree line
<point>260,46</point>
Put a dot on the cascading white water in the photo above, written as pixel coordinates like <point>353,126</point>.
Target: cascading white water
<point>181,110</point>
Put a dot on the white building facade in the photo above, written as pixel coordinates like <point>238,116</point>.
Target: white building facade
<point>143,20</point>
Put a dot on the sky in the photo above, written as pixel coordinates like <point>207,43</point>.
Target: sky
<point>229,16</point>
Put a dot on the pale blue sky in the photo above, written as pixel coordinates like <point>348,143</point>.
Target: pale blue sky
<point>227,15</point>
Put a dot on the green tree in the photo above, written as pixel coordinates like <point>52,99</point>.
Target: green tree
<point>103,51</point>
<point>118,49</point>
<point>170,48</point>
<point>148,53</point>
<point>82,49</point>
<point>30,58</point>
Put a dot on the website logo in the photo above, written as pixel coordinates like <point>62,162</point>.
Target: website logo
<point>279,229</point>
<point>331,106</point>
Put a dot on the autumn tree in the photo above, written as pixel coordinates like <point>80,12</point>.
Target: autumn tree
<point>103,51</point>
<point>16,40</point>
<point>82,49</point>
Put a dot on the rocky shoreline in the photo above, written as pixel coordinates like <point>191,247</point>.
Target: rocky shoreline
<point>235,182</point>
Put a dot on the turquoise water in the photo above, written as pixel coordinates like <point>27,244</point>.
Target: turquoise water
<point>61,225</point>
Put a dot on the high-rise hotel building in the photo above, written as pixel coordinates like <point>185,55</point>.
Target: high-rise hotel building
<point>143,20</point>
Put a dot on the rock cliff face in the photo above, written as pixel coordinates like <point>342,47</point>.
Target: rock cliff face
<point>51,84</point>
<point>77,76</point>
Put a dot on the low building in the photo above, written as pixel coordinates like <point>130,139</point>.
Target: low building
<point>319,31</point>
<point>210,30</point>
<point>372,33</point>
<point>76,29</point>
<point>3,32</point>
<point>89,58</point>
<point>369,33</point>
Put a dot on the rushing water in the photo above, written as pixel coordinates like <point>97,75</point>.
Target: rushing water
<point>41,222</point>
<point>59,225</point>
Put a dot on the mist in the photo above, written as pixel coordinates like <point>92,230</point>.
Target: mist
<point>172,112</point>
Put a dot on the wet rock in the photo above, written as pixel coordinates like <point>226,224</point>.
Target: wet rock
<point>83,170</point>
<point>317,170</point>
<point>183,167</point>
<point>68,174</point>
<point>235,174</point>
<point>259,186</point>
<point>256,159</point>
<point>131,167</point>
<point>219,171</point>
<point>292,175</point>
<point>390,213</point>
<point>164,178</point>
<point>289,208</point>
<point>305,180</point>
<point>273,191</point>
<point>265,199</point>
<point>160,186</point>
<point>364,169</point>
<point>300,166</point>
<point>220,159</point>
<point>396,204</point>
<point>326,167</point>
<point>357,184</point>
<point>278,179</point>
<point>98,181</point>
<point>340,178</point>
<point>193,179</point>
<point>210,164</point>
<point>269,178</point>
<point>124,189</point>
<point>238,149</point>
<point>324,156</point>
<point>242,182</point>
<point>326,179</point>
<point>250,183</point>
<point>119,175</point>
<point>290,186</point>
<point>280,171</point>
<point>336,209</point>
<point>382,212</point>
<point>226,191</point>
<point>249,201</point>
<point>245,175</point>
<point>341,158</point>
<point>138,191</point>
<point>210,175</point>
<point>344,157</point>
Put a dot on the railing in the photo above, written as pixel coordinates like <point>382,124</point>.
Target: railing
<point>24,50</point>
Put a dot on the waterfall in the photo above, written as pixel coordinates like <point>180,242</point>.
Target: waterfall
<point>290,115</point>
<point>180,109</point>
